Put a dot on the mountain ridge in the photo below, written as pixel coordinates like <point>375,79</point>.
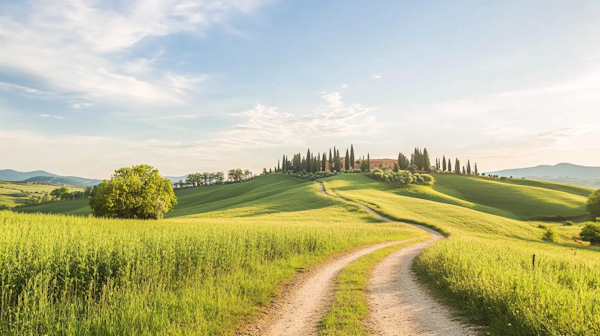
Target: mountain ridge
<point>557,171</point>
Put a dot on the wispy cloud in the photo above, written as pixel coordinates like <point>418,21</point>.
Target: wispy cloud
<point>51,116</point>
<point>377,77</point>
<point>267,127</point>
<point>81,46</point>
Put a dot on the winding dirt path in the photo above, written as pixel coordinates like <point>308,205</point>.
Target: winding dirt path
<point>398,304</point>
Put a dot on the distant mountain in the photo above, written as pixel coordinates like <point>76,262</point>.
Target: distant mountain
<point>13,175</point>
<point>559,170</point>
<point>593,184</point>
<point>65,180</point>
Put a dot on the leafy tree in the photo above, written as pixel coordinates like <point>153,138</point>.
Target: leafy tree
<point>87,191</point>
<point>60,193</point>
<point>396,167</point>
<point>181,184</point>
<point>476,172</point>
<point>591,233</point>
<point>138,192</point>
<point>413,168</point>
<point>593,203</point>
<point>425,161</point>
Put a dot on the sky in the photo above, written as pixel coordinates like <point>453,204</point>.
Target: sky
<point>87,87</point>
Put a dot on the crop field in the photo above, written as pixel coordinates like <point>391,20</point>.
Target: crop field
<point>207,271</point>
<point>485,266</point>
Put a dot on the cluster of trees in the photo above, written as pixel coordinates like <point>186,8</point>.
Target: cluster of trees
<point>402,177</point>
<point>200,179</point>
<point>64,194</point>
<point>443,166</point>
<point>138,192</point>
<point>239,175</point>
<point>312,163</point>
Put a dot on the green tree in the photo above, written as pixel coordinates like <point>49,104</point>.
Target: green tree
<point>426,161</point>
<point>550,235</point>
<point>444,163</point>
<point>138,192</point>
<point>352,158</point>
<point>402,161</point>
<point>468,167</point>
<point>396,167</point>
<point>593,203</point>
<point>476,172</point>
<point>591,233</point>
<point>347,161</point>
<point>324,162</point>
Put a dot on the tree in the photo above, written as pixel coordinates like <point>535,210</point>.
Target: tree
<point>59,193</point>
<point>352,158</point>
<point>324,162</point>
<point>87,191</point>
<point>308,165</point>
<point>468,167</point>
<point>593,203</point>
<point>426,162</point>
<point>138,192</point>
<point>180,184</point>
<point>396,167</point>
<point>591,233</point>
<point>550,235</point>
<point>444,163</point>
<point>449,165</point>
<point>368,161</point>
<point>402,161</point>
<point>476,172</point>
<point>347,161</point>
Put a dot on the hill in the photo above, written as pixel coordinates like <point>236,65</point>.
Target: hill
<point>65,180</point>
<point>13,175</point>
<point>559,170</point>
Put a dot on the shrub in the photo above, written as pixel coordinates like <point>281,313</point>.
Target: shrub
<point>593,203</point>
<point>569,223</point>
<point>402,177</point>
<point>550,235</point>
<point>591,233</point>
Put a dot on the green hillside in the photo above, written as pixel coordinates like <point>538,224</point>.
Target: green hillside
<point>15,193</point>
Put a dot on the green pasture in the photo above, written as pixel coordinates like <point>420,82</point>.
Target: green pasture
<point>14,193</point>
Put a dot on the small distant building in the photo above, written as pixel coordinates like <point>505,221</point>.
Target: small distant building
<point>374,163</point>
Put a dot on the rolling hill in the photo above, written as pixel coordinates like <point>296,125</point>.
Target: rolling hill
<point>65,180</point>
<point>13,175</point>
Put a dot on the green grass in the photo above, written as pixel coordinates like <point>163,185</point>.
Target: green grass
<point>349,308</point>
<point>484,267</point>
<point>207,275</point>
<point>14,193</point>
<point>571,189</point>
<point>79,207</point>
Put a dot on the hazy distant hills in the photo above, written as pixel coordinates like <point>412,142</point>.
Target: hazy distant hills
<point>46,177</point>
<point>564,173</point>
<point>13,175</point>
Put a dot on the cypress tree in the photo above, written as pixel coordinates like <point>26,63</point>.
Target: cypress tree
<point>352,158</point>
<point>324,162</point>
<point>449,165</point>
<point>444,163</point>
<point>468,167</point>
<point>330,158</point>
<point>368,161</point>
<point>426,161</point>
<point>347,160</point>
<point>457,166</point>
<point>476,172</point>
<point>463,170</point>
<point>278,168</point>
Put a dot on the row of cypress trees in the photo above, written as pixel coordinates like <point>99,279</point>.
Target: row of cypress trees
<point>447,167</point>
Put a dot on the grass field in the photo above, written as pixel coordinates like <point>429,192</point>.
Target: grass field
<point>14,193</point>
<point>485,266</point>
<point>204,273</point>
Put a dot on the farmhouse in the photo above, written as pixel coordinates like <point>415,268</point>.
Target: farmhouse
<point>375,163</point>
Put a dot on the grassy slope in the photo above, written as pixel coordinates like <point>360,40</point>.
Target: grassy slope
<point>571,189</point>
<point>202,274</point>
<point>13,193</point>
<point>485,265</point>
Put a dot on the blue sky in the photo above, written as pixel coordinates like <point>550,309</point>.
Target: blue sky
<point>90,86</point>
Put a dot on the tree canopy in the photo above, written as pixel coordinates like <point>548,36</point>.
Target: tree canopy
<point>593,203</point>
<point>138,192</point>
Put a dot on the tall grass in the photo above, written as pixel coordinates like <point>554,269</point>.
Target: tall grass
<point>495,283</point>
<point>62,275</point>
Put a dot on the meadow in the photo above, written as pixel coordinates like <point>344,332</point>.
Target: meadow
<point>15,193</point>
<point>485,266</point>
<point>206,272</point>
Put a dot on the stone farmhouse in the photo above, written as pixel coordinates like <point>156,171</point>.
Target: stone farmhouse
<point>375,163</point>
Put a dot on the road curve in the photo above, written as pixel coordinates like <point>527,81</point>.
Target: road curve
<point>398,304</point>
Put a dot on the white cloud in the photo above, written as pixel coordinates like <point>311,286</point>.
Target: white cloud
<point>267,127</point>
<point>51,116</point>
<point>377,77</point>
<point>77,105</point>
<point>345,86</point>
<point>80,47</point>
